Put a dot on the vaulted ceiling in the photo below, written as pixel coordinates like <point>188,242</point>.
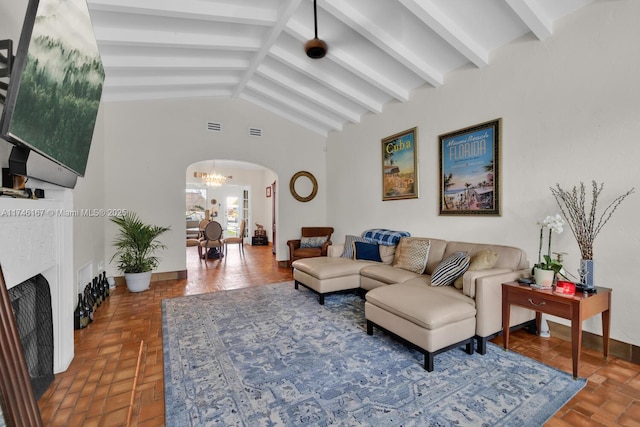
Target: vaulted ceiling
<point>379,50</point>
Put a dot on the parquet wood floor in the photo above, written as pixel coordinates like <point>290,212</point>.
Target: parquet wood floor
<point>123,348</point>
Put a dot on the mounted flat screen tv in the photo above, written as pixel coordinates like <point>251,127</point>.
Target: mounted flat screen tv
<point>53,92</point>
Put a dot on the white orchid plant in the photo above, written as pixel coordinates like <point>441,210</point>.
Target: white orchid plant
<point>555,224</point>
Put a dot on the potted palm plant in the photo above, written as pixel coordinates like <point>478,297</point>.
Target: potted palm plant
<point>136,244</point>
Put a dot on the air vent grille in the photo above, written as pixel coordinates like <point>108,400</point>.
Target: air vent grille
<point>255,132</point>
<point>214,127</point>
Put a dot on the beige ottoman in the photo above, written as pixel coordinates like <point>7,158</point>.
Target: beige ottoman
<point>433,320</point>
<point>325,275</point>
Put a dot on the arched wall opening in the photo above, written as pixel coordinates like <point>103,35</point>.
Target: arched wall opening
<point>247,194</point>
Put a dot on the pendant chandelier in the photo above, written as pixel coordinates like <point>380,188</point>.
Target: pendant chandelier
<point>211,179</point>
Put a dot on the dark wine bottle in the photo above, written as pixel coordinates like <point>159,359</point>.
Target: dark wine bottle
<point>94,293</point>
<point>88,304</point>
<point>79,315</point>
<point>88,296</point>
<point>105,283</point>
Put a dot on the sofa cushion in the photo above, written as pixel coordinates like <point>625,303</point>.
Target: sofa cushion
<point>388,274</point>
<point>421,304</point>
<point>328,268</point>
<point>449,269</point>
<point>412,254</point>
<point>347,252</point>
<point>366,251</point>
<point>387,253</point>
<point>483,260</point>
<point>313,242</point>
<point>508,256</point>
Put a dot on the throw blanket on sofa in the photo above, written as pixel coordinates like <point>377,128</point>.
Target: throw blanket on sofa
<point>385,237</point>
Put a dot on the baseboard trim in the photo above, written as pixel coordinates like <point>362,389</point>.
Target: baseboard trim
<point>158,277</point>
<point>617,348</point>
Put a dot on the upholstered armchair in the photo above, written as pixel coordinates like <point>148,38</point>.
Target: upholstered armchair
<point>313,242</point>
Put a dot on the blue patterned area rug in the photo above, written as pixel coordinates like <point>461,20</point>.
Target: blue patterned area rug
<point>272,356</point>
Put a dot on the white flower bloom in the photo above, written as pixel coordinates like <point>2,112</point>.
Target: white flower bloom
<point>554,223</point>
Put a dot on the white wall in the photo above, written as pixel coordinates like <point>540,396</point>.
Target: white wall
<point>570,113</point>
<point>149,146</point>
<point>88,232</point>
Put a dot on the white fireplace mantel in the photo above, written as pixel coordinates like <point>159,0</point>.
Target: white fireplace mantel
<point>37,237</point>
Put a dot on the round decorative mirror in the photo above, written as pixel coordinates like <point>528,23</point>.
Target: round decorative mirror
<point>303,182</point>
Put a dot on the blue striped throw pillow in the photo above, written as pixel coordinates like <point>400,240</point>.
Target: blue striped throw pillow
<point>450,269</point>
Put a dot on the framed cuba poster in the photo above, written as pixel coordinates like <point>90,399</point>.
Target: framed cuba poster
<point>470,170</point>
<point>400,166</point>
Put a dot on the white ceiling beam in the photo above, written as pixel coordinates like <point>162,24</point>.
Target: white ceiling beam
<point>300,107</point>
<point>301,121</point>
<point>446,28</point>
<point>383,40</point>
<point>309,94</point>
<point>118,94</point>
<point>141,81</point>
<point>123,62</point>
<point>188,9</point>
<point>329,80</point>
<point>170,39</point>
<point>363,70</point>
<point>284,14</point>
<point>533,16</point>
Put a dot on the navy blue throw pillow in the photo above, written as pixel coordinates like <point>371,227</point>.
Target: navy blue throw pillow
<point>367,251</point>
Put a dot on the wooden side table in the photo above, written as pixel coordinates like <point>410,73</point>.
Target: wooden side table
<point>576,309</point>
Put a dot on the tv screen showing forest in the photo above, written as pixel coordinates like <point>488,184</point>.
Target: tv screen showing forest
<point>57,100</point>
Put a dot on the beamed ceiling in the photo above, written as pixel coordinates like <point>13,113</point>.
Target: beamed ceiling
<point>379,50</point>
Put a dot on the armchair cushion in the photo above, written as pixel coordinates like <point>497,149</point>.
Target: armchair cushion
<point>313,242</point>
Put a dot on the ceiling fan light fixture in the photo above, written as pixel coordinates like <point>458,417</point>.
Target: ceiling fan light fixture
<point>316,48</point>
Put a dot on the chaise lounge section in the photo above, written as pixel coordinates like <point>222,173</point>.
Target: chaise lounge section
<point>401,298</point>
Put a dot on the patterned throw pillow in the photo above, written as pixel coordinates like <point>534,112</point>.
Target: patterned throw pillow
<point>412,254</point>
<point>313,242</point>
<point>366,251</point>
<point>347,252</point>
<point>483,260</point>
<point>450,269</point>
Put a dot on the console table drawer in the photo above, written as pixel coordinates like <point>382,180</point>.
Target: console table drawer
<point>542,302</point>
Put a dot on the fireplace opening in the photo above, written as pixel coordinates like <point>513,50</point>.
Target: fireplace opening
<point>31,302</point>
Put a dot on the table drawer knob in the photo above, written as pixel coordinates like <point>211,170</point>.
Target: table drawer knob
<point>532,302</point>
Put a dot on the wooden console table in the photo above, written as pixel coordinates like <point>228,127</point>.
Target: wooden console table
<point>576,309</point>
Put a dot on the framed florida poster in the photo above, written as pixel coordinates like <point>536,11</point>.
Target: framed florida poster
<point>470,170</point>
<point>400,166</point>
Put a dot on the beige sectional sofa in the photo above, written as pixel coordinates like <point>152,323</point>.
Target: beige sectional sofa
<point>431,318</point>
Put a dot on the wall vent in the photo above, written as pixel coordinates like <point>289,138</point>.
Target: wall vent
<point>255,132</point>
<point>214,127</point>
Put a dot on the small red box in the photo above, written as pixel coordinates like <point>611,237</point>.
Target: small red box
<point>565,288</point>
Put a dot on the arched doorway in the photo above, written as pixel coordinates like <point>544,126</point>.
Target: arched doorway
<point>242,196</point>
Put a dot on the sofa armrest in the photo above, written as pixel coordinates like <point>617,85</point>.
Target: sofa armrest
<point>488,296</point>
<point>470,277</point>
<point>335,250</point>
<point>293,244</point>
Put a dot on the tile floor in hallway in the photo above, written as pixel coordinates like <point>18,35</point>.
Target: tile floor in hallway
<point>123,347</point>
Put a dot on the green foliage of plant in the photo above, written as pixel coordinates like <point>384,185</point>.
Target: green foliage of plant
<point>136,244</point>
